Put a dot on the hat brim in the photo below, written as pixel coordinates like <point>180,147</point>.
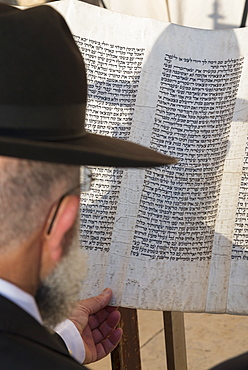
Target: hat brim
<point>90,149</point>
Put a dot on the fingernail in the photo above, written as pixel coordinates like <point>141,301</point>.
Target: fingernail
<point>106,291</point>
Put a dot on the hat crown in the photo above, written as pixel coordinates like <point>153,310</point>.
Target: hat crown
<point>42,76</point>
<point>40,63</point>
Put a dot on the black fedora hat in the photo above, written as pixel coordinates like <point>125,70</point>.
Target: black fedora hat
<point>43,92</point>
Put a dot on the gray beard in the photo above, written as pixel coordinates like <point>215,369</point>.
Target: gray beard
<point>59,291</point>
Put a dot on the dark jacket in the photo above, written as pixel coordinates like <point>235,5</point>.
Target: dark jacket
<point>236,363</point>
<point>27,345</point>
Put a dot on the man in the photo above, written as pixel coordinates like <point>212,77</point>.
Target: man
<point>43,143</point>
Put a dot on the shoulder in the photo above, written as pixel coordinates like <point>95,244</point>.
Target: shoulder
<point>24,354</point>
<point>26,345</point>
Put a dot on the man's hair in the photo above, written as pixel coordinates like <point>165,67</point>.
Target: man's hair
<point>28,189</point>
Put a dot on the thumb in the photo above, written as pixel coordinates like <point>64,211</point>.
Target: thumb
<point>95,304</point>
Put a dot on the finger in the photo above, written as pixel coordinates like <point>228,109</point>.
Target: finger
<point>96,323</point>
<point>113,319</point>
<point>99,317</point>
<point>104,348</point>
<point>111,308</point>
<point>106,328</point>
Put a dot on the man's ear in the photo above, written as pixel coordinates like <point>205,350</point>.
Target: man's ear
<point>64,220</point>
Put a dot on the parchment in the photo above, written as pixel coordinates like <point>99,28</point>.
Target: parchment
<point>162,238</point>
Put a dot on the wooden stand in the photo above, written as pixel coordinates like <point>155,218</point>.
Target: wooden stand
<point>175,343</point>
<point>127,354</point>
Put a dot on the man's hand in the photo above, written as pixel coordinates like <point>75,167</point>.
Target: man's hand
<point>96,323</point>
